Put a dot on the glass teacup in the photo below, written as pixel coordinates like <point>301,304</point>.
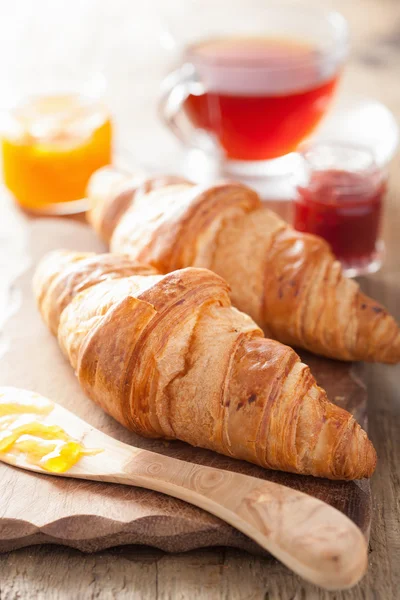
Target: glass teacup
<point>254,79</point>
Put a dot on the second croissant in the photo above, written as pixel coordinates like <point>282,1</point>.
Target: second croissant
<point>287,281</point>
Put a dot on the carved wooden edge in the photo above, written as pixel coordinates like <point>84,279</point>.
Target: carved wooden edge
<point>113,533</point>
<point>180,534</point>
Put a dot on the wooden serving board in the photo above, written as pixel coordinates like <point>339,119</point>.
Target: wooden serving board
<point>93,516</point>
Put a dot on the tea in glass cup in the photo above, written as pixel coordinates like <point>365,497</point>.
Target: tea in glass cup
<point>256,84</point>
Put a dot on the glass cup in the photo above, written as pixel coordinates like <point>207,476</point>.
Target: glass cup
<point>51,144</point>
<point>55,128</point>
<point>254,78</point>
<point>340,197</point>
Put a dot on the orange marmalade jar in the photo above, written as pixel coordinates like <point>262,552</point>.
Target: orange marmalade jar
<point>51,144</point>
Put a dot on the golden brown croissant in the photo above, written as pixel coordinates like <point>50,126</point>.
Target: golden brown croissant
<point>287,281</point>
<point>168,356</point>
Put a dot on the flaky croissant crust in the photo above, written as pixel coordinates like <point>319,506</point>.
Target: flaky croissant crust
<point>287,281</point>
<point>168,356</point>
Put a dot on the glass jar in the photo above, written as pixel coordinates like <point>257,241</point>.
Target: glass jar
<point>340,198</point>
<point>51,144</point>
<point>55,127</point>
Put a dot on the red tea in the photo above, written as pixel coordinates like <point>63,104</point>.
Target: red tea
<point>264,96</point>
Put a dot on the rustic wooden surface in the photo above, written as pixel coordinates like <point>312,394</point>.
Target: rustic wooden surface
<point>136,572</point>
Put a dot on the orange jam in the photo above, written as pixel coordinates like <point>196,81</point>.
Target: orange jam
<point>51,146</point>
<point>25,432</point>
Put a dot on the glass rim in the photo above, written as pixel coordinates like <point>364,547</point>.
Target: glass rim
<point>346,187</point>
<point>92,87</point>
<point>336,48</point>
<point>307,147</point>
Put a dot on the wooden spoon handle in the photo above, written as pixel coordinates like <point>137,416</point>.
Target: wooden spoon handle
<point>309,536</point>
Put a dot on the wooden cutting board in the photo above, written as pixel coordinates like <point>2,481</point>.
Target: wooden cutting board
<point>92,516</point>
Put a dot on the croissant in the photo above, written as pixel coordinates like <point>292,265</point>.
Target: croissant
<point>287,281</point>
<point>169,357</point>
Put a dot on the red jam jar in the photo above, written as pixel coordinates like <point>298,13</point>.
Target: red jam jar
<point>340,198</point>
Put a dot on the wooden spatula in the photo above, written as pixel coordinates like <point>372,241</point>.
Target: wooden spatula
<point>312,538</point>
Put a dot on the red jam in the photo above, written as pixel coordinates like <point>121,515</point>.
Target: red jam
<point>344,207</point>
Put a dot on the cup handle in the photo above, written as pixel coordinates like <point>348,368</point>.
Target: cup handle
<point>176,88</point>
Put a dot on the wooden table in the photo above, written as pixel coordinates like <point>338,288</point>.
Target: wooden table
<point>135,572</point>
